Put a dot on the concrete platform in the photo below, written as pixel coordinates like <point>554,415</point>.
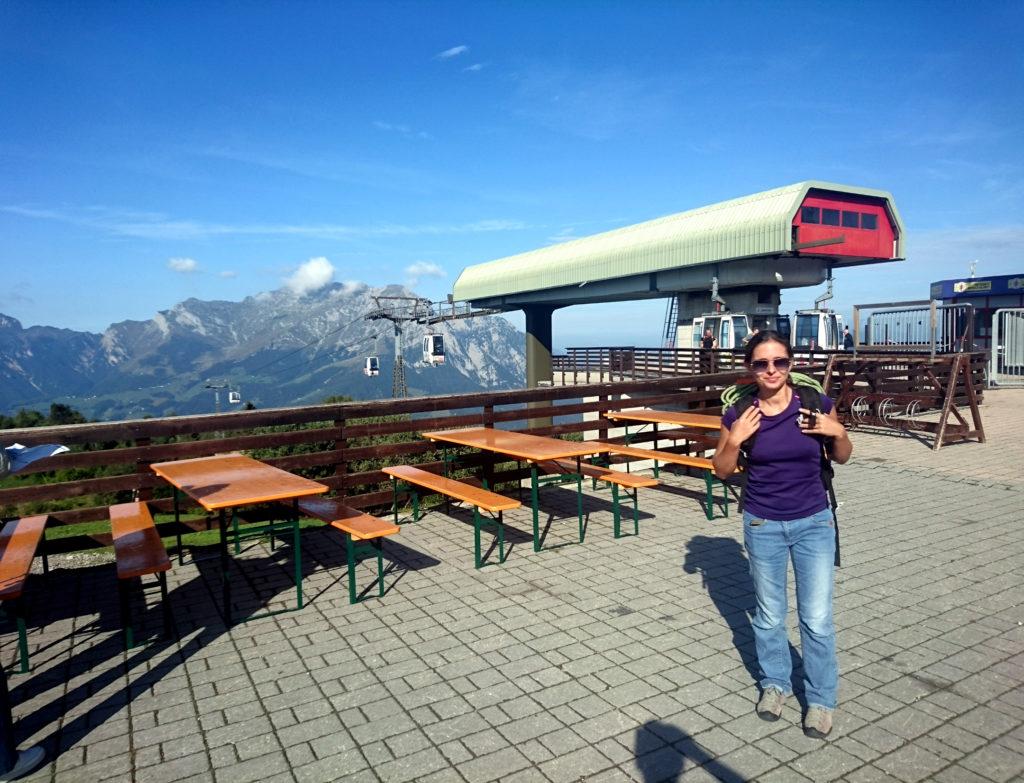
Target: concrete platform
<point>614,660</point>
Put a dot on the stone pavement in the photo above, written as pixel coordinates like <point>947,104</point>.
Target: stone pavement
<point>627,660</point>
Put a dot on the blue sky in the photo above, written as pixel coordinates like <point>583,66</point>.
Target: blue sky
<point>150,152</point>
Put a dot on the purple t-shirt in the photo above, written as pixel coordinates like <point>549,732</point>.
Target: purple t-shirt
<point>785,466</point>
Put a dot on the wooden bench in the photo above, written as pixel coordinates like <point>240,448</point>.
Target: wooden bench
<point>139,551</point>
<point>19,541</point>
<point>614,478</point>
<point>669,457</point>
<point>357,526</point>
<point>478,498</point>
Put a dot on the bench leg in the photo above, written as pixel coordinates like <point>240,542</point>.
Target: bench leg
<point>709,512</point>
<point>616,515</point>
<point>394,493</point>
<point>478,523</point>
<point>165,606</point>
<point>477,558</point>
<point>636,511</point>
<point>19,609</point>
<point>378,544</point>
<point>126,613</point>
<point>350,548</point>
<point>501,538</point>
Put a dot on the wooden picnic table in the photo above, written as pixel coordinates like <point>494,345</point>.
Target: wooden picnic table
<point>678,418</point>
<point>524,447</point>
<point>230,481</point>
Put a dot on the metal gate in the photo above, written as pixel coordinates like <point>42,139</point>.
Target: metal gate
<point>1006,367</point>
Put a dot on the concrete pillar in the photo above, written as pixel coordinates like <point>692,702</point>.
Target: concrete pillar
<point>538,355</point>
<point>538,344</point>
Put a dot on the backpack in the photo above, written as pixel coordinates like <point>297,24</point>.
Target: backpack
<point>808,391</point>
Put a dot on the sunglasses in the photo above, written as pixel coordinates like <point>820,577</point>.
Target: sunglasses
<point>761,365</point>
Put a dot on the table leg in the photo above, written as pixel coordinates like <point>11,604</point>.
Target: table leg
<point>297,548</point>
<point>177,526</point>
<point>225,566</point>
<point>579,496</point>
<point>536,500</point>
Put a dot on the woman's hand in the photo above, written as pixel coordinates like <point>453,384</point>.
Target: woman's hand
<point>828,424</point>
<point>823,424</point>
<point>746,425</point>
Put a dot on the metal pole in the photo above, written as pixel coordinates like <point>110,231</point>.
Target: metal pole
<point>933,322</point>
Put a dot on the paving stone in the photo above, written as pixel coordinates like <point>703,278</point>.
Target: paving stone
<point>910,763</point>
<point>493,766</point>
<point>578,660</point>
<point>575,764</point>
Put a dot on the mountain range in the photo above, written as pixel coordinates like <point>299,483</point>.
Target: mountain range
<point>274,349</point>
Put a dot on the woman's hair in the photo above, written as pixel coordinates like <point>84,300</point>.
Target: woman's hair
<point>767,336</point>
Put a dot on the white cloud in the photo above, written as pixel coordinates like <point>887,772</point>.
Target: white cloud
<point>311,276</point>
<point>229,274</point>
<point>455,51</point>
<point>417,271</point>
<point>474,67</point>
<point>401,129</point>
<point>185,266</point>
<point>349,287</point>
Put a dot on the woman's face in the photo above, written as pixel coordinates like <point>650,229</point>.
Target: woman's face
<point>764,363</point>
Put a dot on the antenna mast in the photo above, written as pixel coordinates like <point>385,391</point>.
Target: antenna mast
<point>400,310</point>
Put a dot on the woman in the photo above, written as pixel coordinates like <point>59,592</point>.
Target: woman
<point>787,517</point>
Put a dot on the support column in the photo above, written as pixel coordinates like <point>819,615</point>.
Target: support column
<point>538,344</point>
<point>538,353</point>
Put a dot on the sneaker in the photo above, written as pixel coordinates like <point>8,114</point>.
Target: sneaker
<point>817,723</point>
<point>770,706</point>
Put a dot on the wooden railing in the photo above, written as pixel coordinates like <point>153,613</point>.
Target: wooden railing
<point>584,365</point>
<point>343,445</point>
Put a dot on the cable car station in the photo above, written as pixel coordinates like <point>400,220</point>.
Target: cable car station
<point>741,252</point>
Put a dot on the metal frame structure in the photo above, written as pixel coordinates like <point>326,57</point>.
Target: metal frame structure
<point>1006,365</point>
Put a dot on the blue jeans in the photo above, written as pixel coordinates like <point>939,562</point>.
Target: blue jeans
<point>810,543</point>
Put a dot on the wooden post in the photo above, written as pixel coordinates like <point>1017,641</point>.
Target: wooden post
<point>142,470</point>
<point>341,466</point>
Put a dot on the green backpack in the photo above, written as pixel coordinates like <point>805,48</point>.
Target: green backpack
<point>809,391</point>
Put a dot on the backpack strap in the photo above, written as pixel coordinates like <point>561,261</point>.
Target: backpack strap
<point>743,458</point>
<point>810,399</point>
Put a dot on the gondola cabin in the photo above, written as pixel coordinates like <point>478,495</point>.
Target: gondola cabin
<point>433,349</point>
<point>850,226</point>
<point>371,367</point>
<point>731,329</point>
<point>818,329</point>
<point>234,397</point>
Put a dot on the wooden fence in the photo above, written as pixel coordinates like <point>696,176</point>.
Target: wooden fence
<point>343,445</point>
<point>582,365</point>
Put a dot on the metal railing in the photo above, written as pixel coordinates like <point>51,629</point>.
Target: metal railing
<point>1006,364</point>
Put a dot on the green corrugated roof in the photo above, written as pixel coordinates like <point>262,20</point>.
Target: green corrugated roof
<point>754,225</point>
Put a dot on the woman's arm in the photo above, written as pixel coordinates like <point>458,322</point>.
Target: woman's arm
<point>726,455</point>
